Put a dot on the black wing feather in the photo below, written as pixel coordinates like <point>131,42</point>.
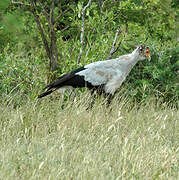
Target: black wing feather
<point>70,79</point>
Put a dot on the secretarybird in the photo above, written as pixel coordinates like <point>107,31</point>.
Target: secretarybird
<point>104,77</point>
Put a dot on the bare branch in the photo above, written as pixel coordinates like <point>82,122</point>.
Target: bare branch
<point>114,48</point>
<point>44,38</point>
<point>25,6</point>
<point>37,19</point>
<point>19,3</point>
<point>51,25</point>
<point>82,30</point>
<point>61,15</point>
<point>46,14</point>
<point>53,45</point>
<point>49,42</point>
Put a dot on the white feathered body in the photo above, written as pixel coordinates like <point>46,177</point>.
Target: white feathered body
<point>110,73</point>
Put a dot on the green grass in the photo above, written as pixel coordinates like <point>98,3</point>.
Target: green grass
<point>39,140</point>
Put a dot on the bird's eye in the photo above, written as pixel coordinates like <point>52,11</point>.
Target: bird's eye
<point>141,49</point>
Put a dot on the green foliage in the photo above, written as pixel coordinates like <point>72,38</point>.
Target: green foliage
<point>19,75</point>
<point>24,67</point>
<point>159,77</point>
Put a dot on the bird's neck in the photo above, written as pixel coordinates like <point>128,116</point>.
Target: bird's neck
<point>134,58</point>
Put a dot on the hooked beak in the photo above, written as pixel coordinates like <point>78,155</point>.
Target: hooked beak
<point>147,54</point>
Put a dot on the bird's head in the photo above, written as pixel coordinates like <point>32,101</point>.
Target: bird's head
<point>142,52</point>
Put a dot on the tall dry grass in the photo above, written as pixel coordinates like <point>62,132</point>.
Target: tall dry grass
<point>40,140</point>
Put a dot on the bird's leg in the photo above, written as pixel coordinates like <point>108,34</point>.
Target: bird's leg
<point>72,95</point>
<point>109,98</point>
<point>92,100</point>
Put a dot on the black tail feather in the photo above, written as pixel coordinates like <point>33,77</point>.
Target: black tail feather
<point>69,79</point>
<point>45,93</point>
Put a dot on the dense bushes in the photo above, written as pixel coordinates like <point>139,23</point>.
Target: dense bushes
<point>158,77</point>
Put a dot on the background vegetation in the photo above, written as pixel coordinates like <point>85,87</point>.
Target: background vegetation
<point>41,138</point>
<point>25,66</point>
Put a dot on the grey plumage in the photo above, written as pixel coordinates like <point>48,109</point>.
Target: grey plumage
<point>103,76</point>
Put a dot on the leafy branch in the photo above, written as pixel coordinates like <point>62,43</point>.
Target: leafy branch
<point>50,41</point>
